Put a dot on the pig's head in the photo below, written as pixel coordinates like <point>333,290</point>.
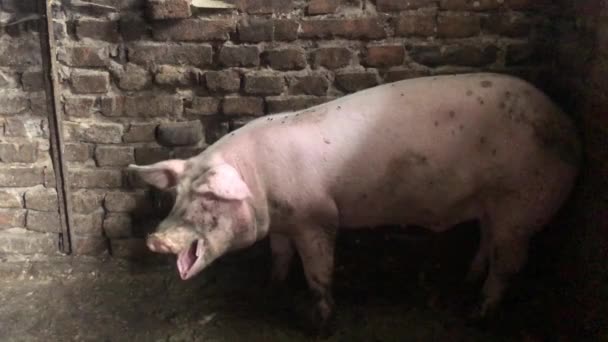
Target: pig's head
<point>210,216</point>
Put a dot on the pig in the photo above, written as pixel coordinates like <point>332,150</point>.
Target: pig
<point>429,151</point>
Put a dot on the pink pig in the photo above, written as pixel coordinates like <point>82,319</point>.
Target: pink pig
<point>432,152</point>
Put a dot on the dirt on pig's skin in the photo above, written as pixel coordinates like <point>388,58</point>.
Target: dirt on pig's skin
<point>79,299</point>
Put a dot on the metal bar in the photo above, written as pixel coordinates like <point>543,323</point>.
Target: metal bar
<point>49,68</point>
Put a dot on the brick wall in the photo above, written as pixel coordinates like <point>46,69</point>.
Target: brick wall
<point>29,217</point>
<point>138,87</point>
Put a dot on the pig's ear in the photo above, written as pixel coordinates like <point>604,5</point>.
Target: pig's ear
<point>225,182</point>
<point>162,175</point>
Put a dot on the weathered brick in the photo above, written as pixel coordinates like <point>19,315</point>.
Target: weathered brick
<point>293,103</point>
<point>24,242</point>
<point>520,5</point>
<point>384,55</point>
<point>147,106</point>
<point>265,6</point>
<point>41,199</point>
<point>88,81</point>
<point>95,178</point>
<point>22,127</point>
<point>194,30</point>
<point>8,79</point>
<point>114,155</point>
<point>117,226</point>
<point>10,218</point>
<point>32,80</point>
<point>522,54</point>
<point>285,59</point>
<point>43,221</point>
<point>133,248</point>
<point>179,133</point>
<point>322,6</point>
<point>133,27</point>
<point>140,132</point>
<point>150,155</point>
<point>18,153</point>
<point>458,26</point>
<point>20,177</point>
<point>38,103</point>
<point>78,107</point>
<point>352,81</point>
<point>470,5</point>
<point>20,52</point>
<point>263,83</point>
<point>286,29</point>
<point>12,104</point>
<point>89,245</point>
<point>23,6</point>
<point>240,105</point>
<point>400,5</point>
<point>86,201</point>
<point>460,55</point>
<point>204,106</point>
<point>112,105</point>
<point>11,199</point>
<point>216,130</point>
<point>103,133</point>
<point>225,80</point>
<point>398,74</point>
<point>418,25</point>
<point>134,77</point>
<point>90,224</point>
<point>49,177</point>
<point>510,25</point>
<point>309,85</point>
<point>355,28</point>
<point>97,29</point>
<point>332,57</point>
<point>123,202</point>
<point>168,9</point>
<point>175,76</point>
<point>163,53</point>
<point>84,56</point>
<point>239,56</point>
<point>77,152</point>
<point>255,29</point>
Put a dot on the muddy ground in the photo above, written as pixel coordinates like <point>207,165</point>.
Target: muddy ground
<point>382,294</point>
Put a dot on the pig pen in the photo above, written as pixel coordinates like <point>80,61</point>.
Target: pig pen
<point>142,80</point>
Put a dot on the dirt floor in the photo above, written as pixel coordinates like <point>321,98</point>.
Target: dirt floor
<point>379,297</point>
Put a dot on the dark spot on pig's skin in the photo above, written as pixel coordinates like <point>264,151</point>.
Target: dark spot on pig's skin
<point>480,100</point>
<point>493,152</point>
<point>502,105</point>
<point>363,196</point>
<point>482,140</point>
<point>461,127</point>
<point>327,141</point>
<point>486,84</point>
<point>469,92</point>
<point>452,114</point>
<point>281,206</point>
<point>398,168</point>
<point>310,116</point>
<point>436,123</point>
<point>402,94</point>
<point>507,94</point>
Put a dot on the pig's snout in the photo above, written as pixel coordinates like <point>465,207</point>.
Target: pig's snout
<point>155,244</point>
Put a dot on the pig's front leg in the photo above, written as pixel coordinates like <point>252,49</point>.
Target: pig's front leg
<point>316,248</point>
<point>282,251</point>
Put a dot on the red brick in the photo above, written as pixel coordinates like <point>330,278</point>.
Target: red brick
<point>168,9</point>
<point>133,77</point>
<point>358,28</point>
<point>293,103</point>
<point>469,5</point>
<point>322,6</point>
<point>194,30</point>
<point>95,178</point>
<point>97,29</point>
<point>263,84</point>
<point>163,53</point>
<point>255,29</point>
<point>11,218</point>
<point>285,29</point>
<point>114,155</point>
<point>84,56</point>
<point>332,57</point>
<point>89,81</point>
<point>78,107</point>
<point>418,25</point>
<point>401,5</point>
<point>265,6</point>
<point>240,105</point>
<point>204,106</point>
<point>285,59</point>
<point>309,85</point>
<point>239,56</point>
<point>140,132</point>
<point>458,26</point>
<point>352,81</point>
<point>112,105</point>
<point>153,106</point>
<point>384,55</point>
<point>510,25</point>
<point>175,76</point>
<point>225,80</point>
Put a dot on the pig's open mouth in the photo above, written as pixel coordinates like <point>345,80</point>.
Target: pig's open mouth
<point>188,259</point>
